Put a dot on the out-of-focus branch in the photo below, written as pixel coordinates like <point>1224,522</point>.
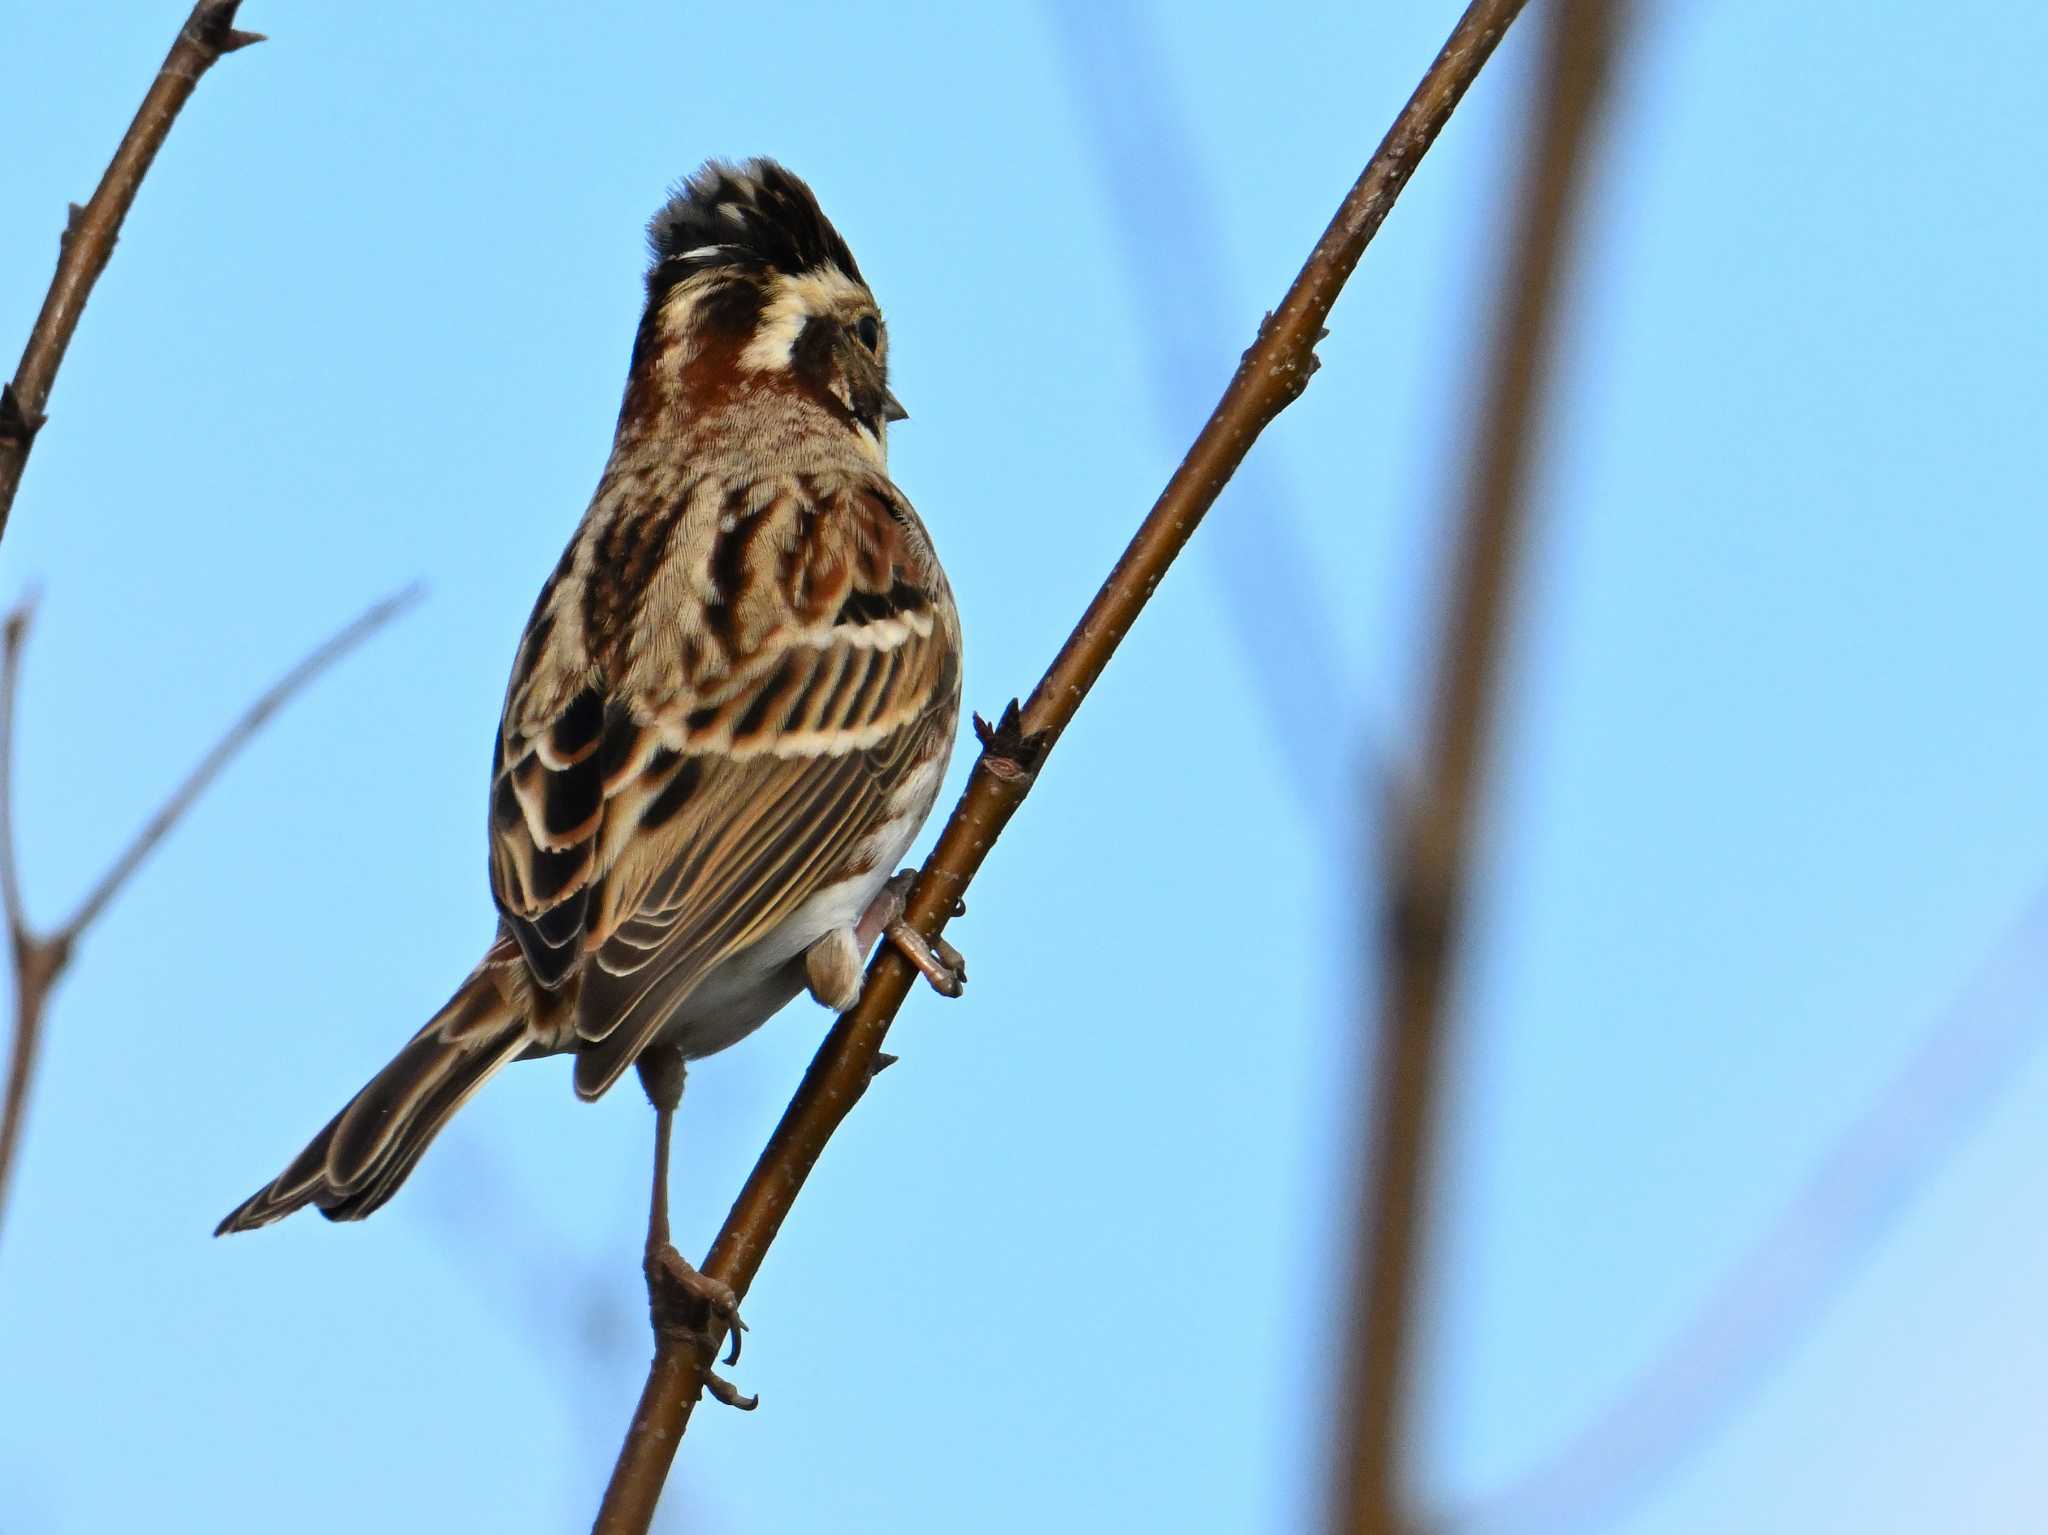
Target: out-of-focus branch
<point>1776,1292</point>
<point>40,958</point>
<point>89,234</point>
<point>1431,848</point>
<point>1272,374</point>
<point>1273,589</point>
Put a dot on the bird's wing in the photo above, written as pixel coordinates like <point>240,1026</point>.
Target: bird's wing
<point>648,820</point>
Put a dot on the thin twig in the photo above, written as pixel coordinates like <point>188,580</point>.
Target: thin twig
<point>39,959</point>
<point>89,234</point>
<point>36,964</point>
<point>15,635</point>
<point>1431,850</point>
<point>209,766</point>
<point>1272,374</point>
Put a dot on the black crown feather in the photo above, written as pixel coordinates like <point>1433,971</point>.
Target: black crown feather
<point>754,214</point>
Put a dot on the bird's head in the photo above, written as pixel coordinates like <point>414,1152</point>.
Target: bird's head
<point>751,288</point>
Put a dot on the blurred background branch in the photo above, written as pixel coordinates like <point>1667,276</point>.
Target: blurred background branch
<point>1431,851</point>
<point>91,230</point>
<point>40,958</point>
<point>1273,372</point>
<point>1777,1291</point>
<point>553,1298</point>
<point>1158,194</point>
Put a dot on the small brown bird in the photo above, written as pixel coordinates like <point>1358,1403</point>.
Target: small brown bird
<point>728,716</point>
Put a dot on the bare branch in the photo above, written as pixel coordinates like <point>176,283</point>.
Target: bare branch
<point>15,636</point>
<point>1777,1291</point>
<point>1431,851</point>
<point>1274,598</point>
<point>209,766</point>
<point>40,961</point>
<point>1272,374</point>
<point>91,230</point>
<point>35,964</point>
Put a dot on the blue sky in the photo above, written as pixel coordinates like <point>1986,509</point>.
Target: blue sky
<point>1766,816</point>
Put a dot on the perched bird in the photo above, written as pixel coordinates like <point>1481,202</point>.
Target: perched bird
<point>728,715</point>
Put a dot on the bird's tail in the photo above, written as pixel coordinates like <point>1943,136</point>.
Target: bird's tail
<point>366,1151</point>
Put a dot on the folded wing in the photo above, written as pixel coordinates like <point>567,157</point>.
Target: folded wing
<point>651,817</point>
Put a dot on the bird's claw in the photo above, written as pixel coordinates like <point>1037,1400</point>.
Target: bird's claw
<point>691,1306</point>
<point>936,960</point>
<point>728,1393</point>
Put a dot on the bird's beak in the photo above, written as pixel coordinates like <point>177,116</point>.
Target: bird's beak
<point>892,408</point>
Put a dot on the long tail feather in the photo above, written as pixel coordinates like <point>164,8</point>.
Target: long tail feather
<point>366,1151</point>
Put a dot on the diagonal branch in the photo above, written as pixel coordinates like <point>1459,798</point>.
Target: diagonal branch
<point>1272,374</point>
<point>1431,852</point>
<point>208,768</point>
<point>90,232</point>
<point>40,959</point>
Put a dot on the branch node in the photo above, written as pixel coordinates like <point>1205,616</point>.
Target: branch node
<point>1292,374</point>
<point>39,961</point>
<point>18,424</point>
<point>213,28</point>
<point>1265,324</point>
<point>15,629</point>
<point>74,215</point>
<point>1008,751</point>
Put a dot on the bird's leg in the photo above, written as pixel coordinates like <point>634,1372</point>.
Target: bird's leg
<point>936,960</point>
<point>683,1302</point>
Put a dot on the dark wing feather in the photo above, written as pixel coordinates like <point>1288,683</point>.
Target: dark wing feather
<point>547,807</point>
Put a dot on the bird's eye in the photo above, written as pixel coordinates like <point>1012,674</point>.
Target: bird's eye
<point>869,332</point>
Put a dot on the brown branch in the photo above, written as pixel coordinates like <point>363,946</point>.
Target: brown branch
<point>1431,848</point>
<point>13,637</point>
<point>1273,373</point>
<point>40,959</point>
<point>90,232</point>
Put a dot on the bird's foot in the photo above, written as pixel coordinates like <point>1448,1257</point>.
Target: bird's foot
<point>690,1306</point>
<point>936,960</point>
